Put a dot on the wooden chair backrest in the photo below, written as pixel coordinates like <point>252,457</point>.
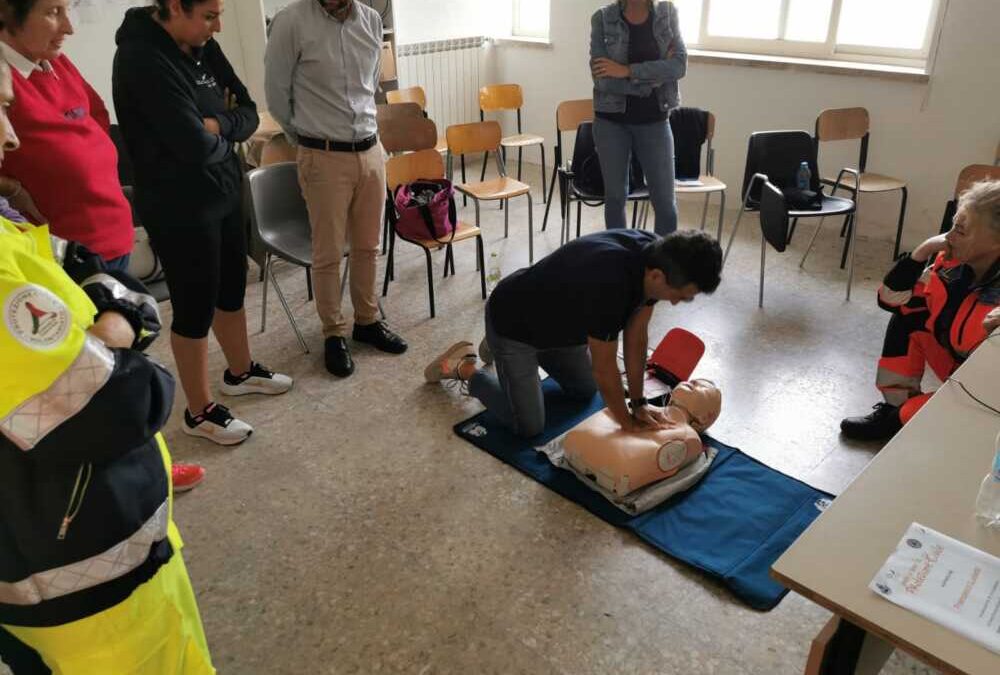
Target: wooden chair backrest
<point>412,166</point>
<point>407,134</point>
<point>842,124</point>
<point>973,174</point>
<point>571,114</point>
<point>475,137</point>
<point>277,149</point>
<point>495,97</point>
<point>408,95</point>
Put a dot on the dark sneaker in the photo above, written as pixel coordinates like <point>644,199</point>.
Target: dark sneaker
<point>257,380</point>
<point>380,337</point>
<point>216,424</point>
<point>338,357</point>
<point>879,425</point>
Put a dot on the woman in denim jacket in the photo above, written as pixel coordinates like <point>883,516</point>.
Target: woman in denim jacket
<point>637,56</point>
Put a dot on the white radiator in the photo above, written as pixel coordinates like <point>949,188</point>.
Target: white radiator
<point>451,72</point>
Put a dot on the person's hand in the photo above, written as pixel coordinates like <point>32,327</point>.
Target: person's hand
<point>25,205</point>
<point>992,321</point>
<point>650,417</point>
<point>212,126</point>
<point>931,248</point>
<point>604,67</point>
<point>113,330</point>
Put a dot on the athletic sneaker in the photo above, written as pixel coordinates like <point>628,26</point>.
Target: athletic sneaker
<point>186,476</point>
<point>217,424</point>
<point>445,366</point>
<point>258,380</point>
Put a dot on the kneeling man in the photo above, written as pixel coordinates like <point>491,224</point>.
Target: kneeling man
<point>565,314</point>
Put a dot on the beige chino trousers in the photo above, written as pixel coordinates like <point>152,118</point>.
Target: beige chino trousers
<point>345,195</point>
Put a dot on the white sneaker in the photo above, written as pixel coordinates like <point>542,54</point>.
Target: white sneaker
<point>216,424</point>
<point>258,380</point>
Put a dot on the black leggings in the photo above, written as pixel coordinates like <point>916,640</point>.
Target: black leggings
<point>206,268</point>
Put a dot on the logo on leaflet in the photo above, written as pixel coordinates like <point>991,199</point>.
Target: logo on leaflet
<point>36,317</point>
<point>475,430</point>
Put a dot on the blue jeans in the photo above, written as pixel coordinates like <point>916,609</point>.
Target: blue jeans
<point>514,394</point>
<point>119,264</point>
<point>653,144</point>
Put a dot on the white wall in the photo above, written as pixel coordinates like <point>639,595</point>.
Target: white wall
<point>426,20</point>
<point>92,47</point>
<point>921,133</point>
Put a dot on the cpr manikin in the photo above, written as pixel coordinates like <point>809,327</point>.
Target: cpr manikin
<point>622,462</point>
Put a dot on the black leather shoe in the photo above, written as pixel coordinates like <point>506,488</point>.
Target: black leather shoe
<point>380,337</point>
<point>880,424</point>
<point>338,357</point>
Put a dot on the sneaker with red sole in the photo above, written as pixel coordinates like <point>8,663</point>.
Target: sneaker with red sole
<point>186,476</point>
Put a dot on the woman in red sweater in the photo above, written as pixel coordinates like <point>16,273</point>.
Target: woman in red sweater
<point>68,165</point>
<point>66,173</point>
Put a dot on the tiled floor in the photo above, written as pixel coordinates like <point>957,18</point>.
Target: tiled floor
<point>354,533</point>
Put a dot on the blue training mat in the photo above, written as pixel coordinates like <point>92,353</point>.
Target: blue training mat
<point>733,525</point>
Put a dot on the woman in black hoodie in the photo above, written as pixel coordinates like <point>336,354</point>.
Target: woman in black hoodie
<point>182,110</point>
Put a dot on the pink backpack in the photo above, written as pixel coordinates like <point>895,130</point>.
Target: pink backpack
<point>425,210</point>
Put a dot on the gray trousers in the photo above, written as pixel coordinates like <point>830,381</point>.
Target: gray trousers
<point>514,394</point>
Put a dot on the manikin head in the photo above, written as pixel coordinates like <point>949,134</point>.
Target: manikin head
<point>701,400</point>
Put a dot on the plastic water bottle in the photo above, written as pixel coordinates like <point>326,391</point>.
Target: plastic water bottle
<point>803,179</point>
<point>988,501</point>
<point>493,273</point>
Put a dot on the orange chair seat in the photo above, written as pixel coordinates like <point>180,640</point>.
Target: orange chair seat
<point>708,184</point>
<point>462,232</point>
<point>492,190</point>
<point>522,140</point>
<point>870,182</point>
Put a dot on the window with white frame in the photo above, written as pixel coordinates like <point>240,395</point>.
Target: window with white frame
<point>531,19</point>
<point>889,32</point>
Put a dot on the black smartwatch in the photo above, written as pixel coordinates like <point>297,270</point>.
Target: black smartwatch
<point>636,403</point>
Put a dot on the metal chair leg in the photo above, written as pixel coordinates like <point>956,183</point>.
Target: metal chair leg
<point>465,199</point>
<point>855,219</point>
<point>791,230</point>
<point>266,271</point>
<point>635,213</point>
<point>506,218</point>
<point>309,284</point>
<point>763,254</point>
<point>388,266</point>
<point>544,197</point>
<point>736,228</point>
<point>902,219</point>
<point>579,217</point>
<point>288,312</point>
<point>722,213</point>
<point>520,162</point>
<point>704,211</point>
<point>847,241</point>
<point>430,280</point>
<point>548,204</point>
<point>531,230</point>
<point>481,263</point>
<point>811,242</point>
<point>343,277</point>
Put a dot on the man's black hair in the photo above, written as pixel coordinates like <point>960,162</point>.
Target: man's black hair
<point>687,257</point>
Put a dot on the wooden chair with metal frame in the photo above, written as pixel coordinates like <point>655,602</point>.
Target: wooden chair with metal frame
<point>969,176</point>
<point>408,168</point>
<point>510,97</point>
<point>846,124</point>
<point>414,95</point>
<point>485,137</point>
<point>402,127</point>
<point>569,116</point>
<point>709,184</point>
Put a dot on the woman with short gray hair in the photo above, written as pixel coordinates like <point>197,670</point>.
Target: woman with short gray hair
<point>944,297</point>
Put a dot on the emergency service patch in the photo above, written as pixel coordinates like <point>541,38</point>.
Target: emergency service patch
<point>36,317</point>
